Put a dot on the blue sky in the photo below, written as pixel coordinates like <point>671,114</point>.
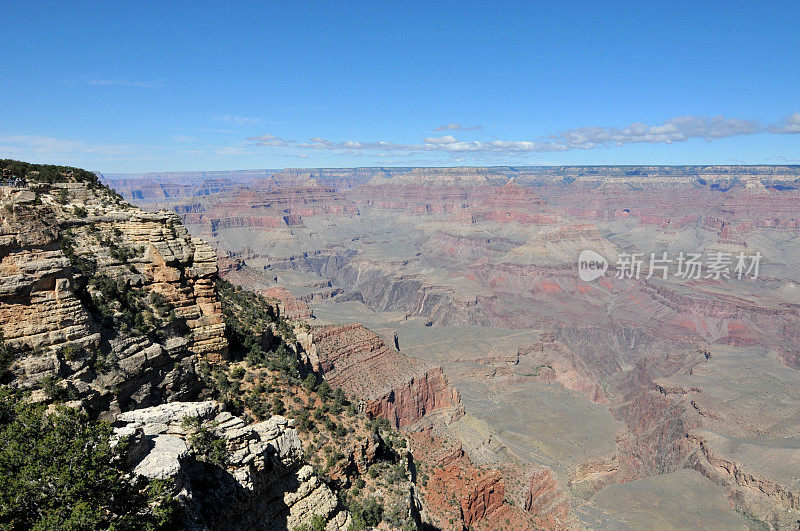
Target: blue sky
<point>129,87</point>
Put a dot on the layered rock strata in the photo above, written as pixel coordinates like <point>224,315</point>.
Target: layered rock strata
<point>263,484</point>
<point>57,244</point>
<point>392,385</point>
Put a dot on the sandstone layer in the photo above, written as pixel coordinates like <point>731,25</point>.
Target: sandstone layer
<point>393,386</point>
<point>55,254</point>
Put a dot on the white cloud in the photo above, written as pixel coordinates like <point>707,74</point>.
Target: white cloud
<point>447,139</point>
<point>679,129</point>
<point>352,145</point>
<point>457,127</point>
<point>791,125</point>
<point>272,141</point>
<point>241,120</point>
<point>126,83</point>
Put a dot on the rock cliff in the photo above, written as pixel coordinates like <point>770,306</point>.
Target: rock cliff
<point>392,385</point>
<point>259,482</point>
<point>75,263</point>
<point>115,311</point>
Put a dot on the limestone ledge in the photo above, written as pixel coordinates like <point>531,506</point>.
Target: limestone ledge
<point>264,483</point>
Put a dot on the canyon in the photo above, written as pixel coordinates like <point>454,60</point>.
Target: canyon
<point>448,300</point>
<point>422,337</point>
<point>119,316</point>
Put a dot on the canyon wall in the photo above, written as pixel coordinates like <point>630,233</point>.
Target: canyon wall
<point>491,252</point>
<point>392,386</point>
<point>263,484</point>
<point>53,263</point>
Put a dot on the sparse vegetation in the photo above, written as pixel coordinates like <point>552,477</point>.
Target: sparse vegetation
<point>266,377</point>
<point>7,355</point>
<point>367,513</point>
<point>121,310</point>
<point>317,523</point>
<point>62,196</point>
<point>255,331</point>
<point>205,443</point>
<point>45,173</point>
<point>60,471</point>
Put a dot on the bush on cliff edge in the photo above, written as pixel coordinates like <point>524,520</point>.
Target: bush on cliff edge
<point>59,471</point>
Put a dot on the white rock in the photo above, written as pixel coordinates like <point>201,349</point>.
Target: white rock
<point>165,459</point>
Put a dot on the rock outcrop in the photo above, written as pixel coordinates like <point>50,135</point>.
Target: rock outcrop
<point>289,306</point>
<point>262,484</point>
<point>408,402</point>
<point>67,250</point>
<point>392,385</point>
<point>38,307</point>
<point>484,496</point>
<point>182,269</point>
<point>457,493</point>
<point>545,499</point>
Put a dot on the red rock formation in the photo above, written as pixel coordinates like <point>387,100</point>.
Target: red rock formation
<point>656,440</point>
<point>458,494</point>
<point>393,386</point>
<point>406,404</point>
<point>484,496</point>
<point>290,307</point>
<point>545,499</point>
<point>455,490</point>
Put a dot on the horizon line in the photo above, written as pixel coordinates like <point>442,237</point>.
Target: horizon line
<point>304,168</point>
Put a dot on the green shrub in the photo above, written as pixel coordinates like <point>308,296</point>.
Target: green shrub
<point>59,471</point>
<point>368,513</point>
<point>277,405</point>
<point>71,352</point>
<point>62,196</point>
<point>50,387</point>
<point>203,441</point>
<point>303,420</point>
<point>317,523</point>
<point>310,383</point>
<point>7,355</point>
